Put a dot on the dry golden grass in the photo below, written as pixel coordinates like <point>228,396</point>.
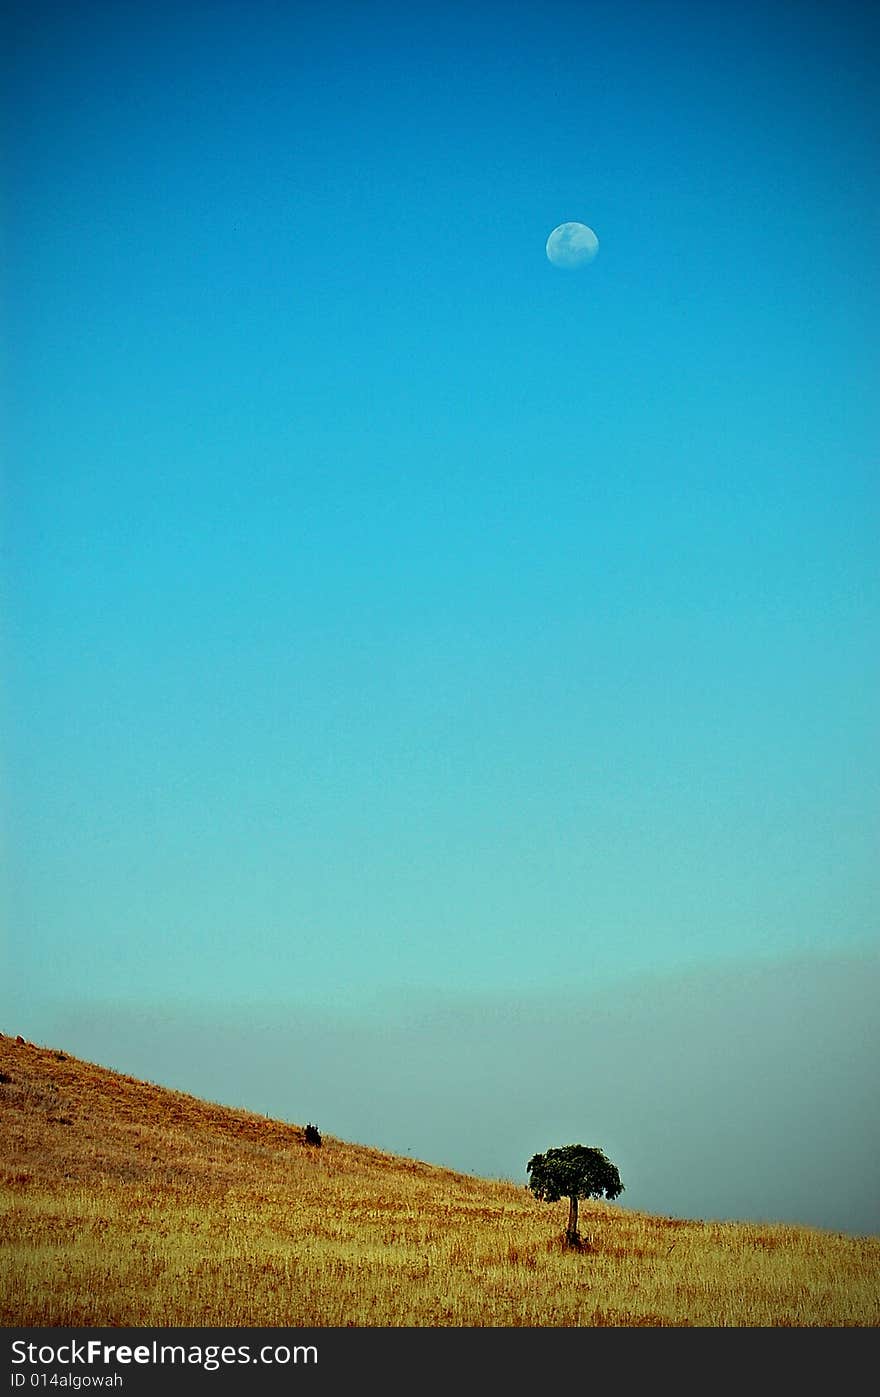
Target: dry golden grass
<point>127,1204</point>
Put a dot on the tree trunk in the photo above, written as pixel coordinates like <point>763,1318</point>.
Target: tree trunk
<point>571,1231</point>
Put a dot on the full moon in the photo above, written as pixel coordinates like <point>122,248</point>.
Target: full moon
<point>572,245</point>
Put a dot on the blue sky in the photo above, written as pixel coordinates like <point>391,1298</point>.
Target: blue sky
<point>390,614</point>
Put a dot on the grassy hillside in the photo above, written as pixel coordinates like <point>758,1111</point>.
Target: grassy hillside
<point>127,1204</point>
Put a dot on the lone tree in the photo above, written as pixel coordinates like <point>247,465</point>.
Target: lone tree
<point>573,1172</point>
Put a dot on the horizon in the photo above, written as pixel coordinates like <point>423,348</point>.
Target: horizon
<point>364,1076</point>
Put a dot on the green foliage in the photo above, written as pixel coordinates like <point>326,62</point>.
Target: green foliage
<point>573,1171</point>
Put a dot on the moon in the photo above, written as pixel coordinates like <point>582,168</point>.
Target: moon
<point>572,245</point>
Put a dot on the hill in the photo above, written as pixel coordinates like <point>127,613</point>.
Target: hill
<point>128,1204</point>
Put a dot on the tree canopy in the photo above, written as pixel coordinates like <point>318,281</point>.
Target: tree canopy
<point>573,1171</point>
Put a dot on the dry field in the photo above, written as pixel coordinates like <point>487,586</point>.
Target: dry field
<point>127,1204</point>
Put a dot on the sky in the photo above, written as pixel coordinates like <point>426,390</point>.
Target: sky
<point>440,688</point>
